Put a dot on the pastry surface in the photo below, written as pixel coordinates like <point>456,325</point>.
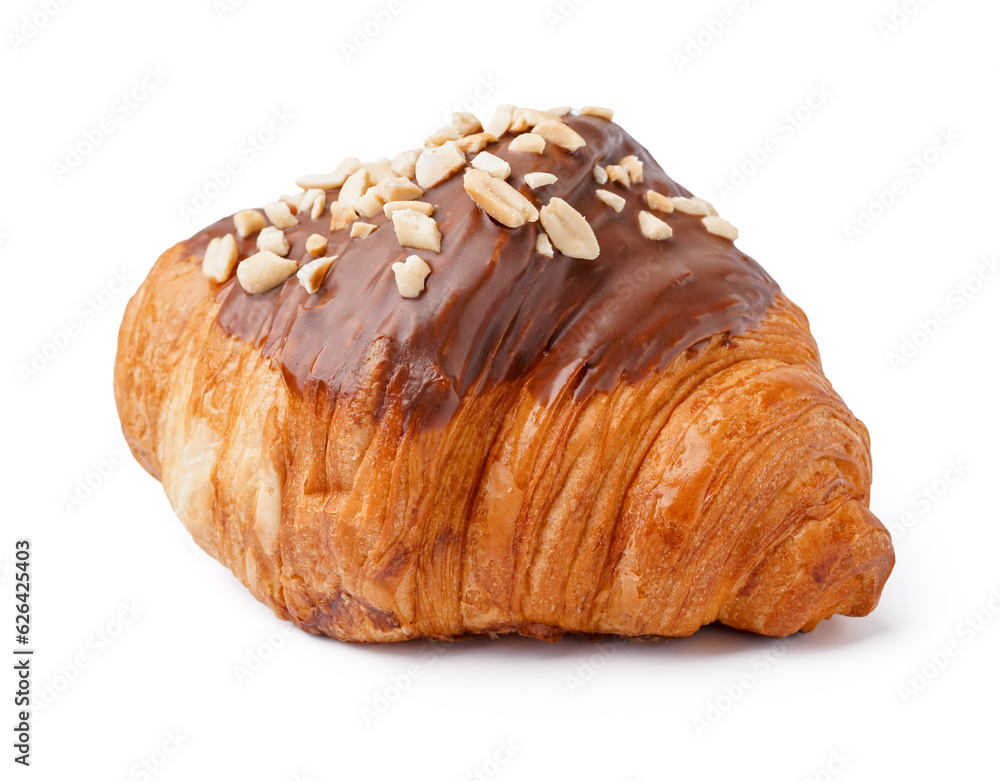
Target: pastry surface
<point>638,443</point>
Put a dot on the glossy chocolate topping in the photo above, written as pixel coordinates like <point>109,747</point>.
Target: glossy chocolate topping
<point>494,310</point>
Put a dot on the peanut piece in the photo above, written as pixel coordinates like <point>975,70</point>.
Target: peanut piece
<point>312,274</point>
<point>264,271</point>
<point>316,245</point>
<point>410,276</point>
<point>527,142</point>
<point>220,258</point>
<point>273,240</point>
<point>416,230</point>
<point>569,230</point>
<point>280,215</point>
<point>248,222</point>
<point>498,199</point>
<point>438,164</point>
<point>653,227</point>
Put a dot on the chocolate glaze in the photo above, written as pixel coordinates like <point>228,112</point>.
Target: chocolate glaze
<point>495,311</point>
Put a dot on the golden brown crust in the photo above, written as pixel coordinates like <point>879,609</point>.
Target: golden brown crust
<point>732,486</point>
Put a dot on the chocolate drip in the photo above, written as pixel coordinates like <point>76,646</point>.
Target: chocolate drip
<point>494,311</point>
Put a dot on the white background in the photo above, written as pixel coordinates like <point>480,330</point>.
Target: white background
<point>149,651</point>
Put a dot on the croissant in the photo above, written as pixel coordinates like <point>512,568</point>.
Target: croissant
<point>516,381</point>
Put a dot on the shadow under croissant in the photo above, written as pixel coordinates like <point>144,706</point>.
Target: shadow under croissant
<point>713,640</point>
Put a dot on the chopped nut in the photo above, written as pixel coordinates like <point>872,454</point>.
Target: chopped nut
<point>537,179</point>
<point>318,205</point>
<point>441,135</point>
<point>498,199</point>
<point>399,188</point>
<point>357,184</point>
<point>466,123</point>
<point>248,222</point>
<point>361,230</point>
<point>543,246</point>
<point>380,170</point>
<point>569,230</point>
<point>316,245</point>
<point>597,111</point>
<point>699,207</point>
<point>312,274</point>
<point>370,203</point>
<point>633,167</point>
<point>416,230</point>
<point>264,271</point>
<point>527,142</point>
<point>524,118</point>
<point>653,227</point>
<point>220,258</point>
<point>293,201</point>
<point>332,180</point>
<point>613,200</point>
<point>720,227</point>
<point>280,215</point>
<point>273,240</point>
<point>501,120</point>
<point>560,134</point>
<point>618,174</point>
<point>661,203</point>
<point>341,217</point>
<point>493,165</point>
<point>437,164</point>
<point>477,142</point>
<point>711,209</point>
<point>410,276</point>
<point>405,163</point>
<point>418,206</point>
<point>308,198</point>
<point>600,175</point>
<point>560,111</point>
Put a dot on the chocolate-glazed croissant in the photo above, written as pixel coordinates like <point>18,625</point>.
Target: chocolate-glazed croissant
<point>538,390</point>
